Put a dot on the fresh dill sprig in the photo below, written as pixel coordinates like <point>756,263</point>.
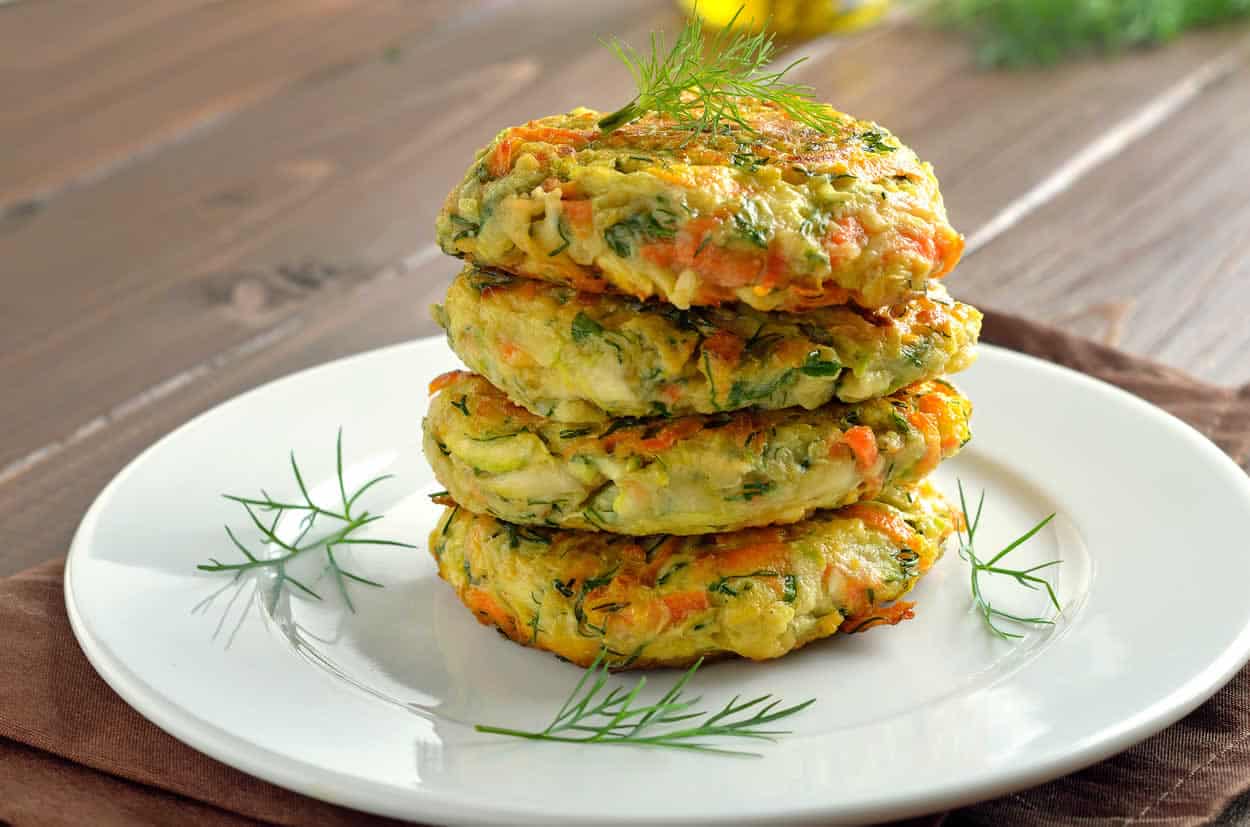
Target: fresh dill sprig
<point>1025,577</point>
<point>699,84</point>
<point>589,717</point>
<point>342,512</point>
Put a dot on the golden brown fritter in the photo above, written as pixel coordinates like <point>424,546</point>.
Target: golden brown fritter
<point>666,601</point>
<point>783,219</point>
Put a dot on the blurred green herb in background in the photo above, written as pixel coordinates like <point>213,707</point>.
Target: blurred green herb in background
<point>1030,32</point>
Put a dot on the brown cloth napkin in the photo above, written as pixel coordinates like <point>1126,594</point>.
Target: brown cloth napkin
<point>72,752</point>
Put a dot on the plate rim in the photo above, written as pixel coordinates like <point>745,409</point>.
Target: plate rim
<point>291,773</point>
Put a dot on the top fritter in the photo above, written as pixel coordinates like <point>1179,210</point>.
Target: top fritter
<point>784,219</point>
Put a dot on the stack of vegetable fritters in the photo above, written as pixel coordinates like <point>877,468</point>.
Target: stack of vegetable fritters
<point>708,385</point>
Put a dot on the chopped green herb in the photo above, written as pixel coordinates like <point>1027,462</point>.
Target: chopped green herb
<point>560,228</point>
<point>640,227</point>
<point>497,437</point>
<point>481,280</point>
<point>816,366</point>
<point>741,392</point>
<point>874,141</point>
<point>747,160</point>
<point>707,239</point>
<point>584,327</point>
<point>678,566</point>
<point>721,585</point>
<point>470,228</point>
<point>915,352</point>
<point>622,422</point>
<point>656,542</point>
<point>518,533</point>
<point>908,560</point>
<point>751,225</point>
<point>751,490</point>
<point>533,624</point>
<point>462,405</point>
<point>579,612</point>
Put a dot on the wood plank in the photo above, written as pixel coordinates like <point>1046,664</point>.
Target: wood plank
<point>125,79</point>
<point>218,239</point>
<point>1150,248</point>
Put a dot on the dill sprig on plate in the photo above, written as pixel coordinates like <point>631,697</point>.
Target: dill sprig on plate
<point>699,84</point>
<point>343,513</point>
<point>590,717</point>
<point>1025,577</point>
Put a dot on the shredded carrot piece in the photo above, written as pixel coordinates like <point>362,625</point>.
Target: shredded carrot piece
<point>932,443</point>
<point>550,135</point>
<point>683,604</point>
<point>949,251</point>
<point>935,406</point>
<point>845,239</point>
<point>578,212</point>
<point>514,355</point>
<point>774,270</point>
<point>863,444</point>
<point>449,378</point>
<point>668,436</point>
<point>672,434</point>
<point>501,159</point>
<point>766,553</point>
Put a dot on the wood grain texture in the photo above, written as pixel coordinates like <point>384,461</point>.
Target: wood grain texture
<point>1150,248</point>
<point>87,86</point>
<point>217,240</point>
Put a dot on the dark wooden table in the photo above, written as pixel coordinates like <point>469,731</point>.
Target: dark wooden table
<point>198,197</point>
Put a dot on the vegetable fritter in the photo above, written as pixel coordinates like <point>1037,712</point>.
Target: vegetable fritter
<point>785,219</point>
<point>682,475</point>
<point>583,357</point>
<point>666,601</point>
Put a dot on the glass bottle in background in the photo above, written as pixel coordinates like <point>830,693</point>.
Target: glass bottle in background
<point>795,19</point>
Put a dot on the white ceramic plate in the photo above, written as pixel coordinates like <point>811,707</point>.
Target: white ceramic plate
<point>374,710</point>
